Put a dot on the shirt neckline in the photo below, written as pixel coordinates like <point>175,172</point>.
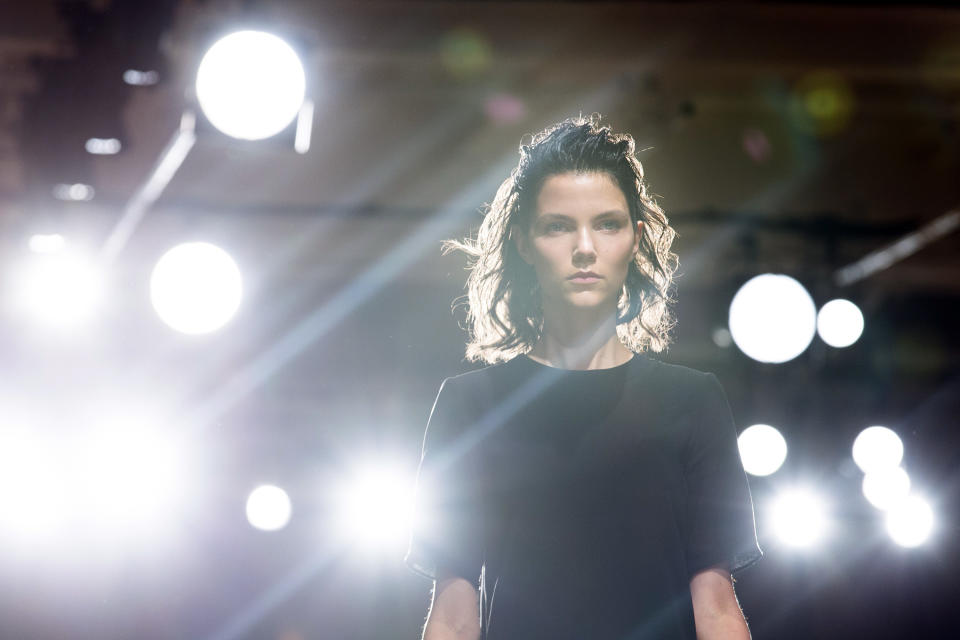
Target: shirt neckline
<point>618,367</point>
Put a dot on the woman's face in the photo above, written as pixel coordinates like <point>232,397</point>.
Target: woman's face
<point>581,223</point>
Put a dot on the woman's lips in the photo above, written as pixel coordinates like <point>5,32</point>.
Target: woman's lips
<point>585,279</point>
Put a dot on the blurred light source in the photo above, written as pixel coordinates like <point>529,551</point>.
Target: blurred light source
<point>877,449</point>
<point>250,84</point>
<point>464,52</point>
<point>140,78</point>
<point>196,287</point>
<point>31,483</point>
<point>756,144</point>
<point>910,521</point>
<point>102,146</point>
<point>762,449</point>
<point>798,518</point>
<point>301,142</point>
<point>772,318</point>
<point>886,487</point>
<point>77,192</point>
<point>47,243</point>
<point>128,475</point>
<point>504,108</point>
<point>840,323</point>
<point>721,337</point>
<point>376,507</point>
<point>823,103</point>
<point>57,290</point>
<point>268,508</point>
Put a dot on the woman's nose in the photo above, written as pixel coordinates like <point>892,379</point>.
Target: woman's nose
<point>584,241</point>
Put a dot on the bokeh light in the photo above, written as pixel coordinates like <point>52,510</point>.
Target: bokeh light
<point>46,243</point>
<point>762,449</point>
<point>840,323</point>
<point>504,108</point>
<point>58,290</point>
<point>772,318</point>
<point>464,53</point>
<point>128,475</point>
<point>756,145</point>
<point>32,498</point>
<point>268,508</point>
<point>250,85</point>
<point>376,507</point>
<point>196,287</point>
<point>876,449</point>
<point>822,104</point>
<point>798,517</point>
<point>886,487</point>
<point>910,521</point>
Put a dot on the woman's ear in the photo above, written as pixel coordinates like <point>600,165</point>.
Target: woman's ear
<point>520,242</point>
<point>636,239</point>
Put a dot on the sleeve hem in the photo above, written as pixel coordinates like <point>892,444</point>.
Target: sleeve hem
<point>420,565</point>
<point>737,562</point>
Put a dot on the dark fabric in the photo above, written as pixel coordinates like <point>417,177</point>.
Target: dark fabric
<point>582,502</point>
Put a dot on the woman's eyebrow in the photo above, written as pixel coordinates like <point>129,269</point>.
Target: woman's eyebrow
<point>560,216</point>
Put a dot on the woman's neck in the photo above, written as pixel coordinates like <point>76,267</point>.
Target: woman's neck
<point>591,345</point>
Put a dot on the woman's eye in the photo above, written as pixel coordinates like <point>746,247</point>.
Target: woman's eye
<point>550,227</point>
<point>611,224</point>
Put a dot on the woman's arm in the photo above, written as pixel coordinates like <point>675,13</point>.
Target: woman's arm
<point>716,612</point>
<point>455,613</point>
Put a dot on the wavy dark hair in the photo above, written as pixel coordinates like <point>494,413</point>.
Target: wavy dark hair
<point>503,310</point>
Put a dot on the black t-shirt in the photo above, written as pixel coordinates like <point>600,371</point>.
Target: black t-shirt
<point>582,501</point>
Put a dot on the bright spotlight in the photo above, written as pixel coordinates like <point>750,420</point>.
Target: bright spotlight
<point>102,146</point>
<point>58,290</point>
<point>772,318</point>
<point>139,78</point>
<point>840,323</point>
<point>876,449</point>
<point>250,85</point>
<point>886,487</point>
<point>910,521</point>
<point>47,243</point>
<point>377,507</point>
<point>798,518</point>
<point>762,449</point>
<point>129,475</point>
<point>31,485</point>
<point>268,508</point>
<point>77,192</point>
<point>196,287</point>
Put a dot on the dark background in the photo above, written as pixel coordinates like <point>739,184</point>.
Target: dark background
<point>346,328</point>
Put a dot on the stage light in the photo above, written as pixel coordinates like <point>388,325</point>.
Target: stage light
<point>140,78</point>
<point>376,507</point>
<point>268,508</point>
<point>102,146</point>
<point>840,323</point>
<point>772,318</point>
<point>876,449</point>
<point>798,518</point>
<point>822,104</point>
<point>250,85</point>
<point>196,287</point>
<point>57,290</point>
<point>910,521</point>
<point>47,243</point>
<point>77,192</point>
<point>762,449</point>
<point>128,476</point>
<point>32,501</point>
<point>886,487</point>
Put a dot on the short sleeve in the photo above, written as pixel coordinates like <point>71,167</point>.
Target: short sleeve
<point>446,531</point>
<point>720,520</point>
